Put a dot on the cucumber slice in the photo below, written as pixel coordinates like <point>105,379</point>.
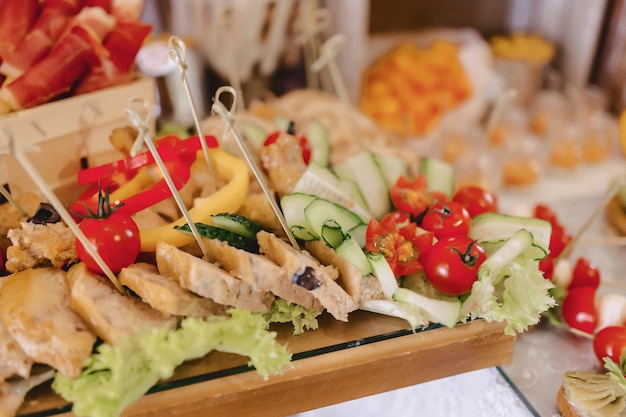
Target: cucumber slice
<point>384,274</point>
<point>363,170</point>
<point>350,250</point>
<point>317,135</point>
<point>446,312</point>
<point>320,181</point>
<point>439,175</point>
<point>493,230</point>
<point>233,239</point>
<point>392,167</point>
<point>330,221</point>
<point>254,134</point>
<point>358,234</point>
<point>236,224</point>
<point>292,206</point>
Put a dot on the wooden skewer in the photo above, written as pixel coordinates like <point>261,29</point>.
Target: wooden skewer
<point>60,208</point>
<point>7,195</point>
<point>177,53</point>
<point>228,117</point>
<point>144,136</point>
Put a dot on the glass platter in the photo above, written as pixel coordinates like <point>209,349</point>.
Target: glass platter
<point>336,363</point>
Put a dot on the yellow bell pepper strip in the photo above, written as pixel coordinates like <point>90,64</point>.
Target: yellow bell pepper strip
<point>229,199</point>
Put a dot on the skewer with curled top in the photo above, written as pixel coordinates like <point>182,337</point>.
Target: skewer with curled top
<point>229,118</point>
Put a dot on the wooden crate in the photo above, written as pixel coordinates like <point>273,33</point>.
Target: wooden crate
<point>338,362</point>
<point>66,131</point>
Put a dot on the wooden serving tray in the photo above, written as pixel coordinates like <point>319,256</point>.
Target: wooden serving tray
<point>337,362</point>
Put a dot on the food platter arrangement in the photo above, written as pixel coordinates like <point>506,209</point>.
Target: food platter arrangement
<point>290,246</point>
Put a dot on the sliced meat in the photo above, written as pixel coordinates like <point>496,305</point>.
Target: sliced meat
<point>208,280</point>
<point>165,293</point>
<point>307,272</point>
<point>12,393</point>
<point>15,362</point>
<point>260,272</point>
<point>35,307</point>
<point>108,313</point>
<point>41,245</point>
<point>283,162</point>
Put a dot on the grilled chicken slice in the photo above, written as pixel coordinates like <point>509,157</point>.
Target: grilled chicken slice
<point>15,362</point>
<point>40,245</point>
<point>260,272</point>
<point>165,294</point>
<point>307,272</point>
<point>209,280</point>
<point>35,307</point>
<point>108,313</point>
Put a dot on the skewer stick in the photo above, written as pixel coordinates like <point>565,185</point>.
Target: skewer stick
<point>611,192</point>
<point>310,23</point>
<point>60,208</point>
<point>144,136</point>
<point>7,195</point>
<point>503,101</point>
<point>228,117</point>
<point>177,53</point>
<point>327,57</point>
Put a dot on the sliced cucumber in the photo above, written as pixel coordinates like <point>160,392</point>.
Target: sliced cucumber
<point>358,234</point>
<point>384,273</point>
<point>330,221</point>
<point>446,312</point>
<point>236,224</point>
<point>362,169</point>
<point>254,134</point>
<point>293,206</point>
<point>350,251</point>
<point>317,135</point>
<point>439,175</point>
<point>320,181</point>
<point>493,230</point>
<point>281,122</point>
<point>233,239</point>
<point>392,167</point>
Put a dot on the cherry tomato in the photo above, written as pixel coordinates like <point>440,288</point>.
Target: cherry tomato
<point>304,142</point>
<point>447,218</point>
<point>412,196</point>
<point>610,341</point>
<point>544,212</point>
<point>579,310</point>
<point>546,265</point>
<point>559,239</point>
<point>113,233</point>
<point>400,241</point>
<point>452,264</point>
<point>585,274</point>
<point>476,200</point>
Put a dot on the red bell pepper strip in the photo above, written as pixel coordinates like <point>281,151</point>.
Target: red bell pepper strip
<point>178,156</point>
<point>400,241</point>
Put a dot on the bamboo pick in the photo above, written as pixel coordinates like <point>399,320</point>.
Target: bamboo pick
<point>177,53</point>
<point>7,195</point>
<point>144,137</point>
<point>311,21</point>
<point>60,208</point>
<point>608,196</point>
<point>228,117</point>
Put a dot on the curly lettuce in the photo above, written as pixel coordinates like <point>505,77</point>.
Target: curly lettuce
<point>116,376</point>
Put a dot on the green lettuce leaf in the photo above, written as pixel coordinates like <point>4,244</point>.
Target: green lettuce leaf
<point>284,312</point>
<point>520,297</point>
<point>116,376</point>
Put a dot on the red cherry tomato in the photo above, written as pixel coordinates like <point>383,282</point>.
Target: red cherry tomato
<point>585,274</point>
<point>546,265</point>
<point>447,218</point>
<point>579,310</point>
<point>610,341</point>
<point>452,264</point>
<point>400,241</point>
<point>116,239</point>
<point>476,200</point>
<point>558,240</point>
<point>412,196</point>
<point>544,212</point>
